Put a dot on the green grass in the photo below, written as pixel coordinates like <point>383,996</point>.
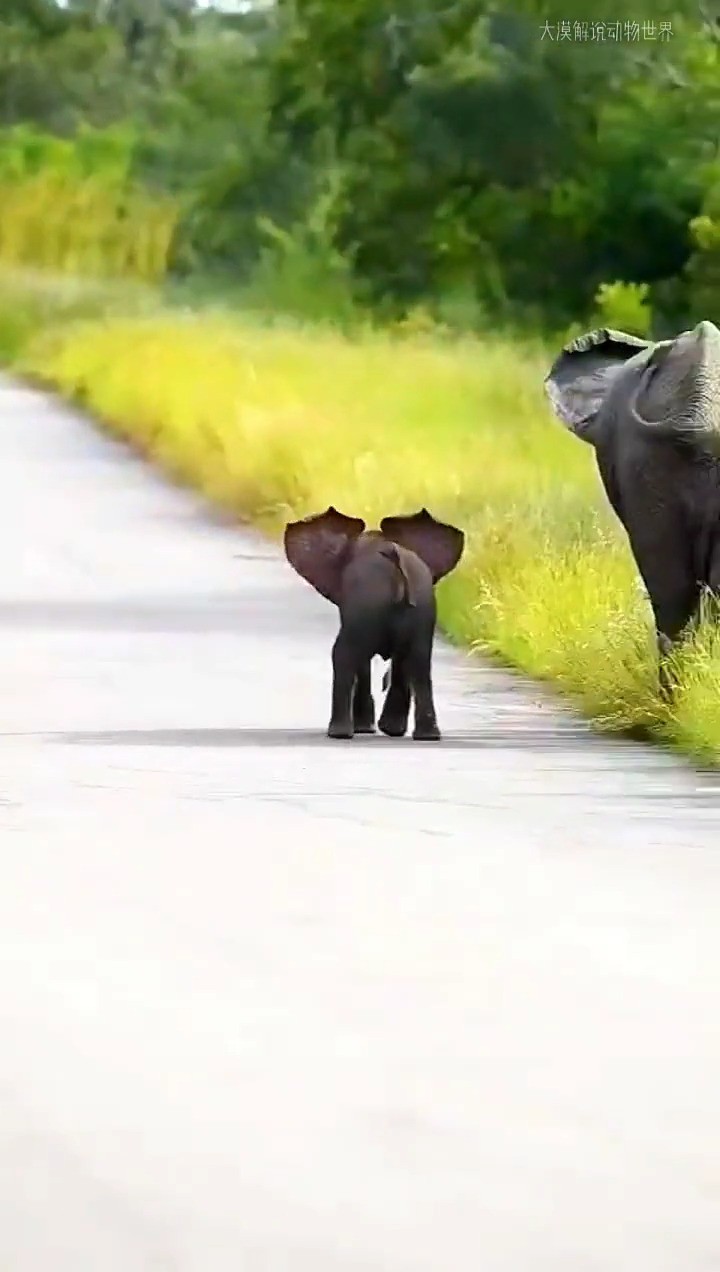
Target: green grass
<point>276,421</point>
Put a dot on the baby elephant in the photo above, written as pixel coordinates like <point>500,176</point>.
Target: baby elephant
<point>382,581</point>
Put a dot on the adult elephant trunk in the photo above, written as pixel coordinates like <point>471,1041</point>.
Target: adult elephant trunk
<point>677,394</point>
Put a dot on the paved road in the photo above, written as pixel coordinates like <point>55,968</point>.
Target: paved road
<point>275,1004</point>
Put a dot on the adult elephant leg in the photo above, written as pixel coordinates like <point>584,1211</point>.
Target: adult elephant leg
<point>665,556</point>
<point>344,663</point>
<point>363,705</point>
<point>674,610</point>
<point>712,594</point>
<point>393,720</point>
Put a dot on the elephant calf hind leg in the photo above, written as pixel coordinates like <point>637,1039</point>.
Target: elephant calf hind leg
<point>393,720</point>
<point>363,705</point>
<point>426,726</point>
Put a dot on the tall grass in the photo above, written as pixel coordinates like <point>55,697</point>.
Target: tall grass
<point>69,207</point>
<point>274,422</point>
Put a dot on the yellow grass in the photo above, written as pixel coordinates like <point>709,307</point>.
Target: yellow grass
<point>276,423</point>
<point>88,227</point>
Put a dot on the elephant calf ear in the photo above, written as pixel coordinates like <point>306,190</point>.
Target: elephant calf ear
<point>317,546</point>
<point>440,546</point>
<point>581,376</point>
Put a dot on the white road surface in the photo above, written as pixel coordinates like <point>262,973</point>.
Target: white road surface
<point>271,1003</point>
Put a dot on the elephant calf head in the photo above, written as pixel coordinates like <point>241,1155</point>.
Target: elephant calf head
<point>320,547</point>
<point>383,584</point>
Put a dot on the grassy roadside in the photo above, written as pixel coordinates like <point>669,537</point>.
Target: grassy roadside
<point>276,421</point>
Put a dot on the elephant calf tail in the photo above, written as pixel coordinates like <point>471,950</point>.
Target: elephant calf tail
<point>407,591</point>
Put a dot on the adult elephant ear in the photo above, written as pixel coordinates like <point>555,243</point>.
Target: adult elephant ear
<point>580,377</point>
<point>317,548</point>
<point>439,545</point>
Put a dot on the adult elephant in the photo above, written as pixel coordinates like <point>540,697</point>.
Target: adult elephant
<point>651,410</point>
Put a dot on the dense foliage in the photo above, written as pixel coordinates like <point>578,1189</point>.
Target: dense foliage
<point>482,159</point>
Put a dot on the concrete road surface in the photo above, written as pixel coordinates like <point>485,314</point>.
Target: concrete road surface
<point>275,1004</point>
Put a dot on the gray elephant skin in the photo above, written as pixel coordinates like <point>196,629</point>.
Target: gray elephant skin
<point>383,583</point>
<point>651,411</point>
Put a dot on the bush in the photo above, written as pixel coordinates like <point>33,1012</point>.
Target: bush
<point>624,306</point>
<point>299,271</point>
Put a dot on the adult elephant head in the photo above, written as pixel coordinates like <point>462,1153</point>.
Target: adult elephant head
<point>651,411</point>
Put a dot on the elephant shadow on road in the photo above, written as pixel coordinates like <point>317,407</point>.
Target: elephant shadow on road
<point>493,736</point>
